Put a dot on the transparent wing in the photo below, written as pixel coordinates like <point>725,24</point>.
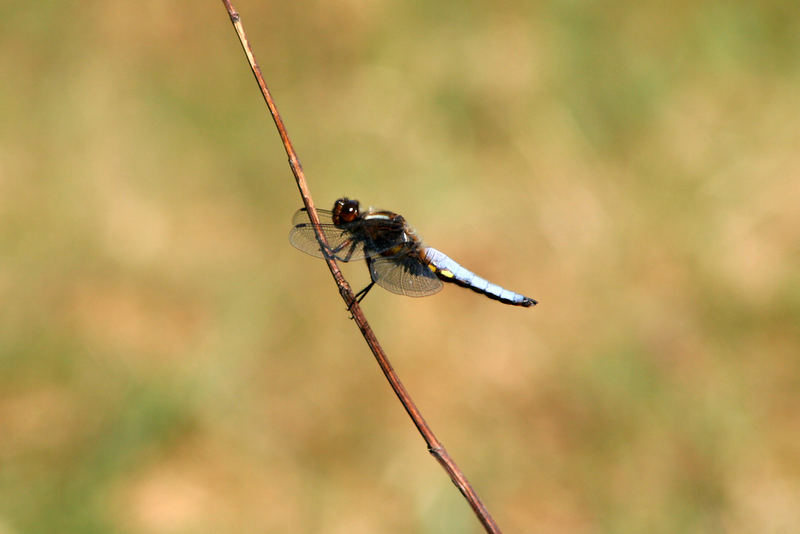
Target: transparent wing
<point>301,216</point>
<point>348,242</point>
<point>342,242</point>
<point>405,275</point>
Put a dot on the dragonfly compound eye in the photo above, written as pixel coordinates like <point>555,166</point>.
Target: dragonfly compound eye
<point>350,211</point>
<point>345,211</point>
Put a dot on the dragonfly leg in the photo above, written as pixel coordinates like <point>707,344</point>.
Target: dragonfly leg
<point>363,293</point>
<point>350,252</point>
<point>335,251</point>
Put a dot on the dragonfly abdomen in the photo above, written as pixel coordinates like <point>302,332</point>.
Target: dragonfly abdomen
<point>449,270</point>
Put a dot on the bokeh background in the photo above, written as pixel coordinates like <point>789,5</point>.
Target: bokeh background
<point>170,364</point>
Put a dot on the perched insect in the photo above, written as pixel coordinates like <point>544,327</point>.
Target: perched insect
<point>396,258</point>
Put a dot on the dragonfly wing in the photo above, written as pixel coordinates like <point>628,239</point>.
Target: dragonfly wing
<point>340,240</point>
<point>301,216</point>
<point>404,275</point>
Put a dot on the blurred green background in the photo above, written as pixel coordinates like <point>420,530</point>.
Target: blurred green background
<point>170,364</point>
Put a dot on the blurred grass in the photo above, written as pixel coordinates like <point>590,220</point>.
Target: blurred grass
<point>168,363</point>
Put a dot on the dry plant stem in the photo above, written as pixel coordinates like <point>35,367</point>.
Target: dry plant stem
<point>434,445</point>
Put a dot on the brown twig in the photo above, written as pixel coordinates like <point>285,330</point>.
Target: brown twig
<point>435,447</point>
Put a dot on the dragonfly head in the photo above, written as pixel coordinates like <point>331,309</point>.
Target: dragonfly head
<point>345,211</point>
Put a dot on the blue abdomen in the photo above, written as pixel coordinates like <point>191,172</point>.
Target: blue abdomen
<point>449,270</point>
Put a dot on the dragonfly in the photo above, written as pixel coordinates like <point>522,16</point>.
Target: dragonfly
<point>395,255</point>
